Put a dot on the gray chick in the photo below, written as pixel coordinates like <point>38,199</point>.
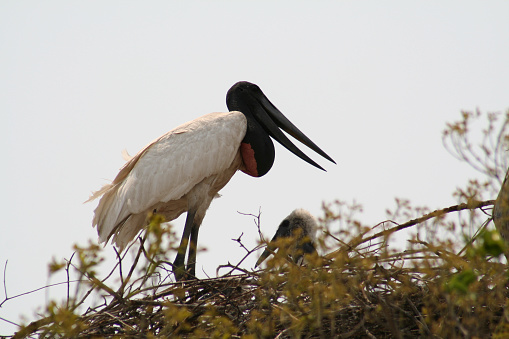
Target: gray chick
<point>301,225</point>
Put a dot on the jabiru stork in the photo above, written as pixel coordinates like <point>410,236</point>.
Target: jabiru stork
<point>300,227</point>
<point>184,169</point>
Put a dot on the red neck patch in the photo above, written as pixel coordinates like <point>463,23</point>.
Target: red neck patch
<point>248,157</point>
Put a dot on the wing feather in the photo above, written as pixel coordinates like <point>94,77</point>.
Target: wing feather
<point>169,167</point>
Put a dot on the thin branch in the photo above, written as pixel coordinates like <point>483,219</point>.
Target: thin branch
<point>435,214</point>
<point>5,284</point>
<point>8,321</point>
<point>39,289</point>
<point>68,278</point>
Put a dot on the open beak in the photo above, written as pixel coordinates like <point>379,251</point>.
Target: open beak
<point>272,120</point>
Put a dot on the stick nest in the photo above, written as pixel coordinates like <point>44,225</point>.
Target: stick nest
<point>359,289</point>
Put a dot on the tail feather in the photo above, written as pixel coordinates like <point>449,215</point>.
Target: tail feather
<point>98,193</point>
<point>128,230</point>
<point>105,218</point>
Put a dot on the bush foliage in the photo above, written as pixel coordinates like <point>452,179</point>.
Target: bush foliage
<point>449,280</point>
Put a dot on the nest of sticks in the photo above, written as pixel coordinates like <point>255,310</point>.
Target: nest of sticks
<point>360,289</point>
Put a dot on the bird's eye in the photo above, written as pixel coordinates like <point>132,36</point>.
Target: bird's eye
<point>285,224</point>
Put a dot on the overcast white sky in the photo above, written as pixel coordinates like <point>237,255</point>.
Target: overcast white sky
<point>372,83</point>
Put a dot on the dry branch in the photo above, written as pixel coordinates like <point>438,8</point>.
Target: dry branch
<point>353,293</point>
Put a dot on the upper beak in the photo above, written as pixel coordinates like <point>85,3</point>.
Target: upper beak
<point>271,247</point>
<point>262,258</point>
<point>272,119</point>
<point>306,247</point>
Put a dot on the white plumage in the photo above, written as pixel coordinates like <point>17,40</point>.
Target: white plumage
<point>191,163</point>
<point>183,170</point>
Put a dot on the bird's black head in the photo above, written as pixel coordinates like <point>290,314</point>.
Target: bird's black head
<point>257,149</point>
<point>264,120</point>
<point>240,94</point>
<point>299,230</point>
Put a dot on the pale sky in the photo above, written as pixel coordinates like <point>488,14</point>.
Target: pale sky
<point>372,83</point>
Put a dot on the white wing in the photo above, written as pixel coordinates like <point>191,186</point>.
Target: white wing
<point>169,167</point>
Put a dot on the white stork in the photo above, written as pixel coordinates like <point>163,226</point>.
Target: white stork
<point>184,169</point>
<point>300,225</point>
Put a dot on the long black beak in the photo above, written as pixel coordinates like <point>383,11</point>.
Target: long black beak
<point>272,120</point>
<point>262,258</point>
<point>285,124</point>
<point>271,247</point>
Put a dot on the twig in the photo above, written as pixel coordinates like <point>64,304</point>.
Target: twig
<point>5,284</point>
<point>483,226</point>
<point>238,264</point>
<point>68,279</point>
<point>256,221</point>
<point>120,321</point>
<point>31,328</point>
<point>119,258</point>
<point>438,213</point>
<point>133,266</point>
<point>354,330</point>
<point>420,319</point>
<point>38,289</point>
<point>8,321</point>
<point>239,241</point>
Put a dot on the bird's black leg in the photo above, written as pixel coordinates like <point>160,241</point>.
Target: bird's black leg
<point>191,259</point>
<point>178,265</point>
